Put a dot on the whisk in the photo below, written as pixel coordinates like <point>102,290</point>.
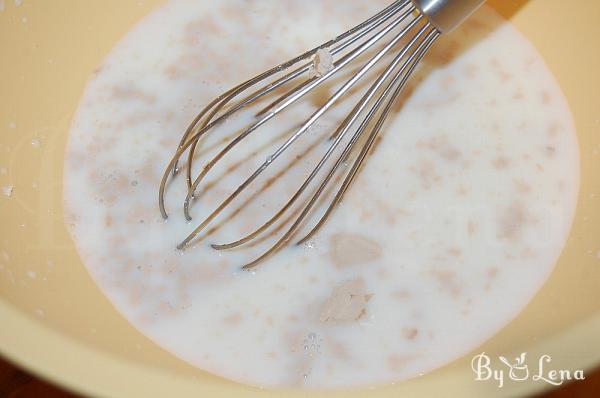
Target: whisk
<point>404,31</point>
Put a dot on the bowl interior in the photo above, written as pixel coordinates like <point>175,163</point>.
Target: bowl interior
<point>59,324</point>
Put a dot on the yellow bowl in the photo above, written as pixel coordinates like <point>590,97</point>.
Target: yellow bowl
<point>57,323</point>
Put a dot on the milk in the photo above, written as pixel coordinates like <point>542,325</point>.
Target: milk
<point>454,223</point>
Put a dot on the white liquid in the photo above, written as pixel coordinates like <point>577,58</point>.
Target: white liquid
<point>451,227</point>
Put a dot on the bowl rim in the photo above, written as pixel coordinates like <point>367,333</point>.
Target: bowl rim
<point>28,343</point>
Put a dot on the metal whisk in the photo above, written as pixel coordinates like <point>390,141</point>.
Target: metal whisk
<point>405,30</point>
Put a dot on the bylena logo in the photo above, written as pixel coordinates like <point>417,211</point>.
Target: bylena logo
<point>519,370</point>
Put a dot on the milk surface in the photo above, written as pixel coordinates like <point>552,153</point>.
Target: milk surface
<point>454,223</point>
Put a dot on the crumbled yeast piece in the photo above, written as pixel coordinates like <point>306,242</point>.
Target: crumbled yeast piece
<point>322,63</point>
<point>348,250</point>
<point>347,303</point>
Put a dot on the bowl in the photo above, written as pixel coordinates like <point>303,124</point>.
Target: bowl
<point>57,323</point>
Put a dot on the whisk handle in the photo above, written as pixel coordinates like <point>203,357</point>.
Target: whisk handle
<point>446,15</point>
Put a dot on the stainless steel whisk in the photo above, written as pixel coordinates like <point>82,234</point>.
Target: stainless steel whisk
<point>413,24</point>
